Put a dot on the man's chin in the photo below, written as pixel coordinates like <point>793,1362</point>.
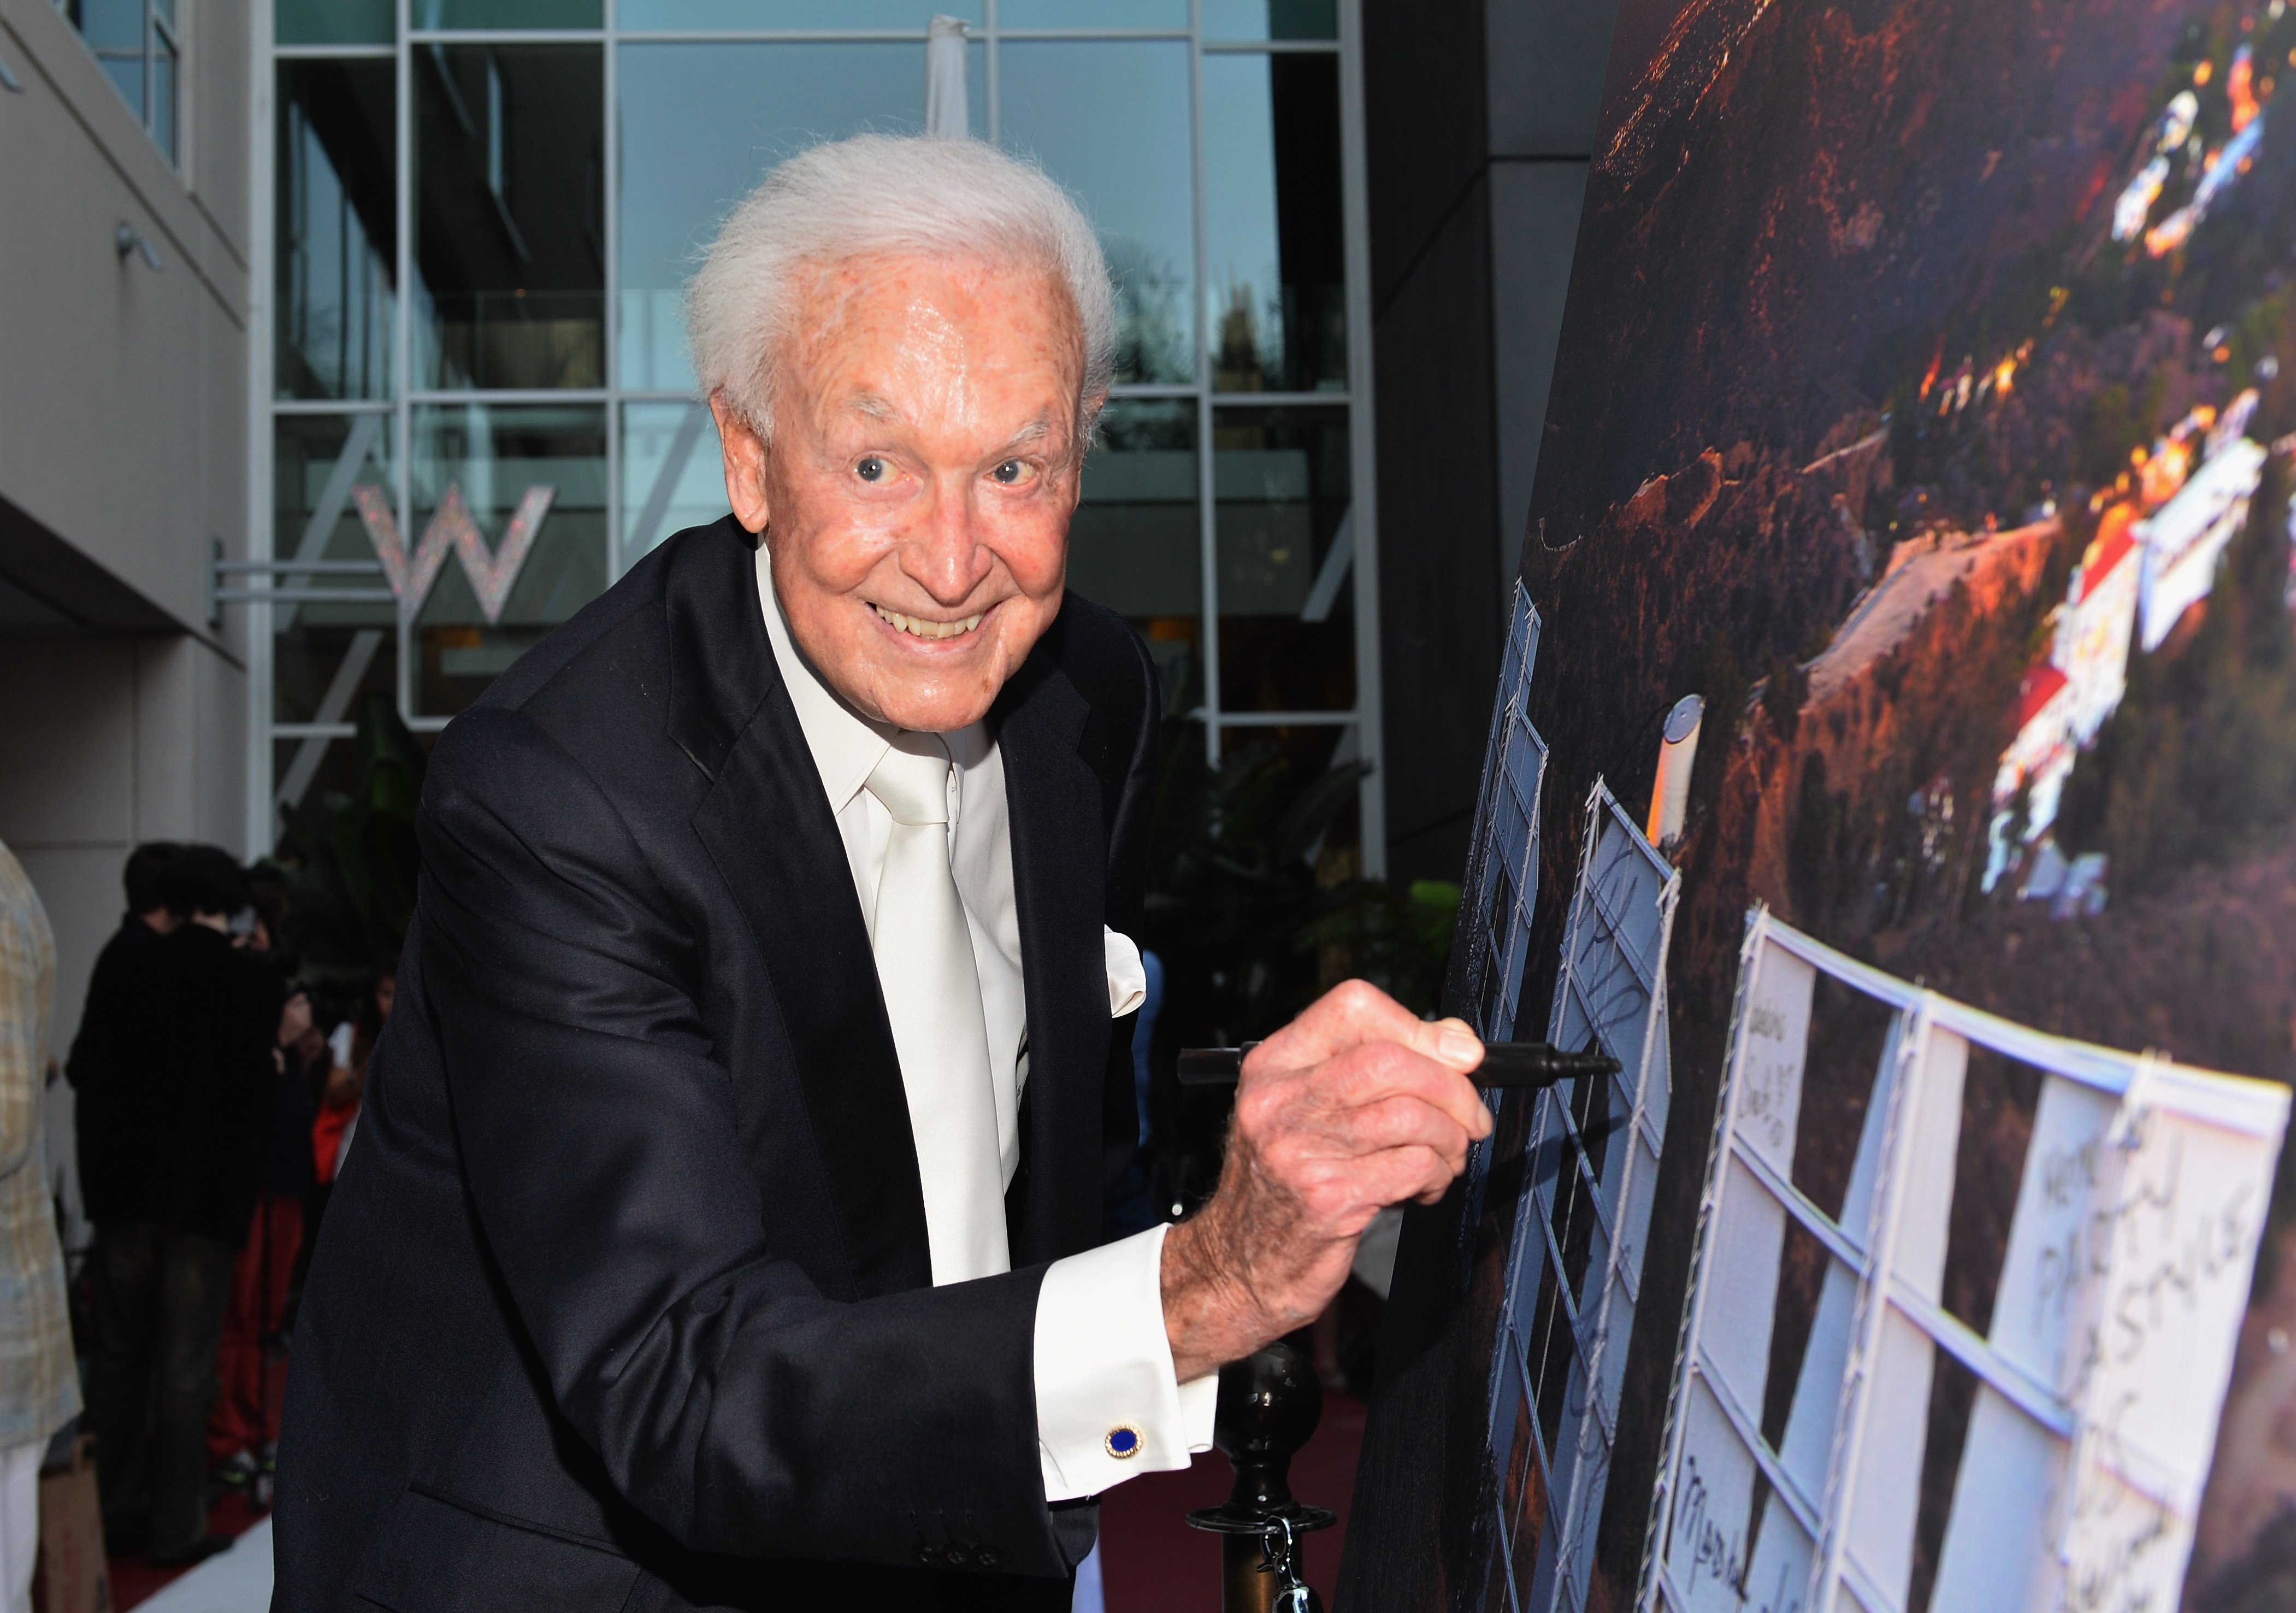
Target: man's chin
<point>956,694</point>
<point>939,717</point>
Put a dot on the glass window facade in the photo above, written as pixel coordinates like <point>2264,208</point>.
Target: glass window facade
<point>136,44</point>
<point>335,224</point>
<point>481,406</point>
<point>697,123</point>
<point>510,215</point>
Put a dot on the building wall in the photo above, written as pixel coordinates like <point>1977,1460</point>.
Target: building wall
<point>1479,115</point>
<point>105,743</point>
<point>123,457</point>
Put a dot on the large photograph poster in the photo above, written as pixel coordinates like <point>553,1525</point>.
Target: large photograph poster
<point>1925,404</point>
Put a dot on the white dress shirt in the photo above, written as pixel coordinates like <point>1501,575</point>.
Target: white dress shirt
<point>1102,1361</point>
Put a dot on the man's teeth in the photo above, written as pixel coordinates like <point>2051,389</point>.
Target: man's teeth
<point>921,629</point>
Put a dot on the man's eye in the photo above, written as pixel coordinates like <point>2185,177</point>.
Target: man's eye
<point>1008,472</point>
<point>872,469</point>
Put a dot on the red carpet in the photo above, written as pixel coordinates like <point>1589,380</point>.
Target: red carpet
<point>1153,1562</point>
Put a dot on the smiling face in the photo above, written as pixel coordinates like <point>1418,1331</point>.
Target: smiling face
<point>916,494</point>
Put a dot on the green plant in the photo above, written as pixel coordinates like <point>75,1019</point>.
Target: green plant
<point>1232,885</point>
<point>348,861</point>
<point>1255,907</point>
<point>1396,937</point>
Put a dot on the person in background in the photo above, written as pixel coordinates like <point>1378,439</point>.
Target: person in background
<point>339,1100</point>
<point>39,1392</point>
<point>244,1435</point>
<point>119,995</point>
<point>326,1070</point>
<point>181,1163</point>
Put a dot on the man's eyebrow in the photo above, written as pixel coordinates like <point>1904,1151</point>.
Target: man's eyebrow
<point>876,408</point>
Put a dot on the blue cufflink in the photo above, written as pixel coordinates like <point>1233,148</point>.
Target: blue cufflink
<point>1123,1442</point>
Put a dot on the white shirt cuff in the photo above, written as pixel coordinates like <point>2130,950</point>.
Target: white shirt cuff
<point>1103,1370</point>
<point>1127,977</point>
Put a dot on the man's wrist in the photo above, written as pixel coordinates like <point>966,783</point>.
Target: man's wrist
<point>1211,1313</point>
<point>1199,1302</point>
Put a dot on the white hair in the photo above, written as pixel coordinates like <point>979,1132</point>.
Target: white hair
<point>877,194</point>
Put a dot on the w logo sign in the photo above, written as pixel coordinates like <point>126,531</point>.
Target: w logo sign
<point>491,574</point>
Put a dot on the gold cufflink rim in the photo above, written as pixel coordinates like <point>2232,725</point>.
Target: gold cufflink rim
<point>1139,1442</point>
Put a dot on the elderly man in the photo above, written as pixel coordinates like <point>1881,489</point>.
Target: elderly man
<point>721,1228</point>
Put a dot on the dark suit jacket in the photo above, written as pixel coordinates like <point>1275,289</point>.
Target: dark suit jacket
<point>173,1071</point>
<point>624,1298</point>
<point>102,1068</point>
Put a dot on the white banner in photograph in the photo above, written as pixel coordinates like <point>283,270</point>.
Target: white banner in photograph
<point>1898,1390</point>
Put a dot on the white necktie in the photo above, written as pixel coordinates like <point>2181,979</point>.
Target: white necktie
<point>932,996</point>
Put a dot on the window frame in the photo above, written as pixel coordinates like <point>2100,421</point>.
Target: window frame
<point>157,28</point>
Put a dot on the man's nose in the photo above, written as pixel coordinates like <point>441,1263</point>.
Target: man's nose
<point>944,551</point>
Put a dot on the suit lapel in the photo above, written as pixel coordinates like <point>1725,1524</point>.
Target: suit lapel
<point>766,824</point>
<point>1059,880</point>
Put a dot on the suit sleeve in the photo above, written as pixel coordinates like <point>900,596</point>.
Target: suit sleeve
<point>731,1401</point>
<point>1103,1362</point>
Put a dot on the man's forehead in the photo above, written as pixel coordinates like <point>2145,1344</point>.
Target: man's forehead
<point>1046,424</point>
<point>898,340</point>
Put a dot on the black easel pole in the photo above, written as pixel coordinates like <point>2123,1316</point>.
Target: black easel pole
<point>1269,1405</point>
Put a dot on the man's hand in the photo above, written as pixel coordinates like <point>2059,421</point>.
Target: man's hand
<point>1354,1106</point>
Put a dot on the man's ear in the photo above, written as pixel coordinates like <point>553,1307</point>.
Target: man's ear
<point>744,454</point>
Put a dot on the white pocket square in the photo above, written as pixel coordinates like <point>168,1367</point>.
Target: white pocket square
<point>1127,980</point>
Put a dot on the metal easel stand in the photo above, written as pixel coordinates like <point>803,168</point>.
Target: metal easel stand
<point>1269,1405</point>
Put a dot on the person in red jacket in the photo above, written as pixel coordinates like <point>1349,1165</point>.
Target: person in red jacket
<point>243,1433</point>
<point>339,1100</point>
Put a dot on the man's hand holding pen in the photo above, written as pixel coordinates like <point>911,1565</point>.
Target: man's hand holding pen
<point>1354,1106</point>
